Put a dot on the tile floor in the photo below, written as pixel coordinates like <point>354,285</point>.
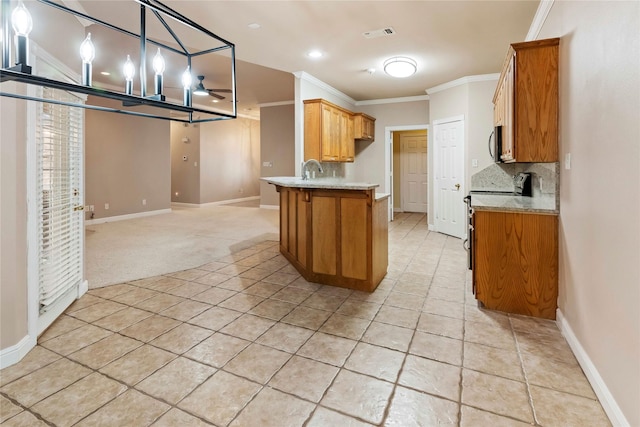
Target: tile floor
<point>245,341</point>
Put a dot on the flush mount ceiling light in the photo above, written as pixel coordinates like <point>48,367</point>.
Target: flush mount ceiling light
<point>314,54</point>
<point>400,66</point>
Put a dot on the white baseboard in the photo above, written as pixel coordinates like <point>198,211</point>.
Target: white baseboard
<point>125,217</point>
<point>613,411</point>
<point>397,210</point>
<point>13,354</point>
<point>274,207</point>
<point>219,203</point>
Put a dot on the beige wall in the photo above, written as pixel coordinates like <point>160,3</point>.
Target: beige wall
<point>127,159</point>
<point>229,160</point>
<point>185,175</point>
<point>473,100</point>
<point>277,146</point>
<point>445,104</point>
<point>479,126</point>
<point>13,223</point>
<point>599,196</point>
<point>370,156</point>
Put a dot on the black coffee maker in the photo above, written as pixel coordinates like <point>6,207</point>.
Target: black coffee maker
<point>522,184</point>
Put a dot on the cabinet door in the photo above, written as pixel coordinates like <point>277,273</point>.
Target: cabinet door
<point>515,264</point>
<point>508,153</point>
<point>370,128</point>
<point>330,134</point>
<point>347,148</point>
<point>324,230</point>
<point>354,237</point>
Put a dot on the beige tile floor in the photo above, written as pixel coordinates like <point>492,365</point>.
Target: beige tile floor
<point>245,341</point>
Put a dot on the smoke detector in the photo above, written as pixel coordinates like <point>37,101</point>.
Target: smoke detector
<point>383,32</point>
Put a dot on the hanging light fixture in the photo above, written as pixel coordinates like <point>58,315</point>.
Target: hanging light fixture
<point>87,54</point>
<point>22,25</point>
<point>129,70</point>
<point>400,66</point>
<point>186,85</point>
<point>20,20</point>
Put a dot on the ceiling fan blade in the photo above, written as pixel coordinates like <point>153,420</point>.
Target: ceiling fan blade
<point>215,95</point>
<point>221,90</point>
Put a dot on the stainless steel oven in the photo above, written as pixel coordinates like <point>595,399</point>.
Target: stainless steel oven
<point>468,242</point>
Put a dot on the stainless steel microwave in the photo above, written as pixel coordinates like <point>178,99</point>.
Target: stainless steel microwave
<point>495,144</point>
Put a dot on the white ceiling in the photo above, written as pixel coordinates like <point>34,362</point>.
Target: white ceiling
<point>448,39</point>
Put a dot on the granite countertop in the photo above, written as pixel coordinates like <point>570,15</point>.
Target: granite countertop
<point>510,202</point>
<point>324,183</point>
<point>382,196</point>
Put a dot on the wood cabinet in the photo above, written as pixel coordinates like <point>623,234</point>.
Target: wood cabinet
<point>364,127</point>
<point>515,262</point>
<point>328,132</point>
<point>335,237</point>
<point>526,102</point>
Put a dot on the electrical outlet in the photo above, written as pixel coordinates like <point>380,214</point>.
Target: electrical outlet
<point>106,206</point>
<point>474,163</point>
<point>241,190</point>
<point>144,202</point>
<point>92,208</point>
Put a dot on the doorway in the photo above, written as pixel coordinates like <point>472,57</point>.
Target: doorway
<point>393,180</point>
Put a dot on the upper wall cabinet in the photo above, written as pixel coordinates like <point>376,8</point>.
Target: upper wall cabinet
<point>328,132</point>
<point>526,102</point>
<point>364,127</point>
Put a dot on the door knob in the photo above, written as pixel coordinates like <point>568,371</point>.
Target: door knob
<point>457,187</point>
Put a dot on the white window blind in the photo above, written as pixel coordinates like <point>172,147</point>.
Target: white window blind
<point>59,160</point>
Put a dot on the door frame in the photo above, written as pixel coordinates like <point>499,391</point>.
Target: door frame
<point>435,164</point>
<point>388,155</point>
<point>37,323</point>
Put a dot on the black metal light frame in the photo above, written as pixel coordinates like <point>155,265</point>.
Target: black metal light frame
<point>23,75</point>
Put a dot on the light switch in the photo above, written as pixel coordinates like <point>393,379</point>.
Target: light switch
<point>567,161</point>
<point>267,164</point>
<point>474,163</point>
<point>195,164</point>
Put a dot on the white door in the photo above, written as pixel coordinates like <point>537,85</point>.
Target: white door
<point>55,201</point>
<point>414,173</point>
<point>449,206</point>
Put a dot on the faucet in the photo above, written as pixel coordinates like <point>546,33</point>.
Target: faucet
<point>305,164</point>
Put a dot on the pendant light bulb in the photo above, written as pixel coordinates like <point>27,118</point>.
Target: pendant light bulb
<point>21,20</point>
<point>158,63</point>
<point>87,50</point>
<point>129,69</point>
<point>186,78</point>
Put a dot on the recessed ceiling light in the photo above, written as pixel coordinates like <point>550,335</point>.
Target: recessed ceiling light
<point>105,73</point>
<point>215,100</point>
<point>314,54</point>
<point>254,26</point>
<point>400,66</point>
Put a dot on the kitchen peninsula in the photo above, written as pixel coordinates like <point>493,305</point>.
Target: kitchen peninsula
<point>334,232</point>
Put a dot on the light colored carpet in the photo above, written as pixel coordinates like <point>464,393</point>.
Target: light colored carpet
<point>122,251</point>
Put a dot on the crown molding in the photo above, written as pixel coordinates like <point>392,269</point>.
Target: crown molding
<point>75,5</point>
<point>544,7</point>
<point>303,75</point>
<point>463,80</point>
<point>276,104</point>
<point>393,100</point>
